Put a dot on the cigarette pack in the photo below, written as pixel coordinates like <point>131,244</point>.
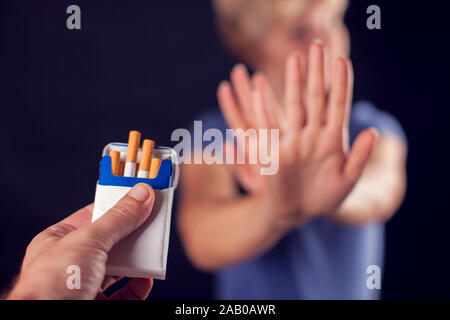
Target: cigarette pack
<point>142,254</point>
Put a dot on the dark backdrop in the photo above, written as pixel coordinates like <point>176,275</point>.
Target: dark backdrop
<point>154,65</point>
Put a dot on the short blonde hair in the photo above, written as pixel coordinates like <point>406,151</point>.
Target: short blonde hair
<point>242,23</point>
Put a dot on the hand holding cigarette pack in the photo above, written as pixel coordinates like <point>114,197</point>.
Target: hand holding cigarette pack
<point>143,253</point>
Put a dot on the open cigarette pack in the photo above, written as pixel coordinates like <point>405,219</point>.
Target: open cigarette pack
<point>143,253</point>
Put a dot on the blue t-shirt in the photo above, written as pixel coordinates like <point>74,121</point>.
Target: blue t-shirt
<point>321,259</point>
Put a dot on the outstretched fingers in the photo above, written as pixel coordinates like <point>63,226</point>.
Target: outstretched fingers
<point>293,98</point>
<point>230,109</point>
<point>338,97</point>
<point>316,87</point>
<point>243,89</point>
<point>262,121</point>
<point>272,106</point>
<point>348,106</point>
<point>265,105</point>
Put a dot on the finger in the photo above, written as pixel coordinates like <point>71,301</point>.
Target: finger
<point>338,97</point>
<point>246,174</point>
<point>259,107</point>
<point>316,86</point>
<point>59,230</point>
<point>135,289</point>
<point>126,216</point>
<point>109,281</point>
<point>360,154</point>
<point>80,218</point>
<point>101,296</point>
<point>242,86</point>
<point>294,84</point>
<point>348,106</point>
<point>272,107</point>
<point>229,107</point>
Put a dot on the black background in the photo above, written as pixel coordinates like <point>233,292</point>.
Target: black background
<point>153,66</point>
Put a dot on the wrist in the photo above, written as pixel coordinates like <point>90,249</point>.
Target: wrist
<point>19,293</point>
<point>275,219</point>
<point>31,288</point>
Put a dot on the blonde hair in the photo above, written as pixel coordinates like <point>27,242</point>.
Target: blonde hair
<point>242,23</point>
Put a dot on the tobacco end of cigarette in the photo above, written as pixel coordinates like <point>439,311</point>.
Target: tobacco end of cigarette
<point>115,162</point>
<point>133,146</point>
<point>121,168</point>
<point>146,155</point>
<point>154,168</point>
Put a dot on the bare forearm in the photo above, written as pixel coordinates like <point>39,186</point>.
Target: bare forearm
<point>381,188</point>
<point>220,233</point>
<point>371,201</point>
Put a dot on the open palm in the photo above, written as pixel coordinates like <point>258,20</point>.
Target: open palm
<point>317,171</point>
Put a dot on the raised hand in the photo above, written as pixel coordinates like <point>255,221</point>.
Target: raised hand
<point>317,171</point>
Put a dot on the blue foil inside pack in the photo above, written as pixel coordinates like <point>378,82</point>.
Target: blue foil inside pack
<point>162,181</point>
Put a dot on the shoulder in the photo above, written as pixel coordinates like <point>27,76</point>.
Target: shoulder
<point>365,115</point>
<point>211,119</point>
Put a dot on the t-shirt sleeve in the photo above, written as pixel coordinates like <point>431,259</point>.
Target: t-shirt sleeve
<point>365,115</point>
<point>211,119</point>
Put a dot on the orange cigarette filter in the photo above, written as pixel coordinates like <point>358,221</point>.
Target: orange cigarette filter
<point>115,162</point>
<point>133,146</point>
<point>146,155</point>
<point>154,168</point>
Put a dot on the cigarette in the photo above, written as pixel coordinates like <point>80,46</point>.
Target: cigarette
<point>132,153</point>
<point>121,168</point>
<point>154,168</point>
<point>115,162</point>
<point>146,156</point>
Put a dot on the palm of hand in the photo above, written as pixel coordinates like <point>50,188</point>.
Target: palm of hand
<point>316,172</point>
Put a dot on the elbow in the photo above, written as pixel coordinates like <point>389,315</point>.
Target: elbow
<point>397,196</point>
<point>387,209</point>
<point>196,248</point>
<point>200,260</point>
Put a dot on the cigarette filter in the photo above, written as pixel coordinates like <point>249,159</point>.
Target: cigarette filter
<point>146,156</point>
<point>115,162</point>
<point>154,168</point>
<point>132,153</point>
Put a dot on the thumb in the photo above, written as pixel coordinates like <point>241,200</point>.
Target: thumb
<point>128,214</point>
<point>360,154</point>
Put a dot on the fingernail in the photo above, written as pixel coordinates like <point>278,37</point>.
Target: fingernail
<point>240,66</point>
<point>223,84</point>
<point>318,40</point>
<point>139,192</point>
<point>293,60</point>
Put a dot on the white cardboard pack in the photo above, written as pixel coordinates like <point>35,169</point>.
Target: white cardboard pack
<point>143,253</point>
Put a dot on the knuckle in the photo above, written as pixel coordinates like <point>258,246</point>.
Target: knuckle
<point>125,210</point>
<point>93,243</point>
<point>316,93</point>
<point>129,210</point>
<point>60,229</point>
<point>339,101</point>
